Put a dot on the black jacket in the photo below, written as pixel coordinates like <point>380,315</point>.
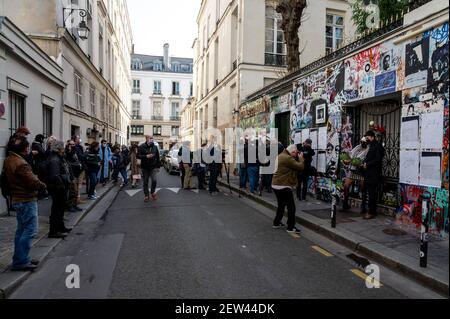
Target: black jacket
<point>308,154</point>
<point>374,163</point>
<point>149,163</point>
<point>92,161</point>
<point>75,164</point>
<point>59,178</point>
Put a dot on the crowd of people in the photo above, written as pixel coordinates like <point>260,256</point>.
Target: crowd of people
<point>49,168</point>
<point>52,168</point>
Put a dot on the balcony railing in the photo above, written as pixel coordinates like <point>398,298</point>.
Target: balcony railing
<point>157,118</point>
<point>136,117</point>
<point>275,59</point>
<point>175,118</point>
<point>157,92</point>
<point>136,91</point>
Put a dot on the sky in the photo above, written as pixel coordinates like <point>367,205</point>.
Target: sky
<point>155,22</point>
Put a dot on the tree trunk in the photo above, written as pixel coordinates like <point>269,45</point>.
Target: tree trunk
<point>291,12</point>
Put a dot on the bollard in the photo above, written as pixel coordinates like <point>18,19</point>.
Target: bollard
<point>424,229</point>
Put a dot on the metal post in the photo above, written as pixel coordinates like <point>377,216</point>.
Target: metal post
<point>334,203</point>
<point>424,230</point>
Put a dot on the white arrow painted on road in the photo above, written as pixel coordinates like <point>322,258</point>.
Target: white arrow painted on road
<point>157,190</point>
<point>133,192</point>
<point>175,190</point>
<point>195,191</point>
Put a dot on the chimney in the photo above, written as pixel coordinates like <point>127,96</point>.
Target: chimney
<point>166,57</point>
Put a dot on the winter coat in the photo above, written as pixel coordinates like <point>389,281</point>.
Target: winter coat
<point>75,164</point>
<point>24,185</point>
<point>105,156</point>
<point>135,169</point>
<point>119,161</point>
<point>59,177</point>
<point>374,163</point>
<point>93,161</point>
<point>287,169</point>
<point>149,163</point>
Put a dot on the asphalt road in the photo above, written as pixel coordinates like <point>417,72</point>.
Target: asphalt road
<point>190,245</point>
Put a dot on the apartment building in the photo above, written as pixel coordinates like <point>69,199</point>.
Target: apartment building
<point>92,42</point>
<point>161,86</point>
<point>240,48</point>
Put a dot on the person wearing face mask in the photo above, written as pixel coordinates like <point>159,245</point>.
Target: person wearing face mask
<point>150,164</point>
<point>106,157</point>
<point>354,174</point>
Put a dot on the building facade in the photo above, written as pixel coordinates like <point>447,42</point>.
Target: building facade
<point>240,49</point>
<point>394,81</point>
<point>31,88</point>
<point>96,69</point>
<point>161,86</point>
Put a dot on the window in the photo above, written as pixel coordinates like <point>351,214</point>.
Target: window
<point>176,67</point>
<point>157,110</point>
<point>157,130</point>
<point>175,131</point>
<point>136,110</point>
<point>17,103</point>
<point>47,116</point>
<point>101,49</point>
<point>137,86</point>
<point>92,101</point>
<point>334,34</point>
<point>79,91</point>
<point>136,64</point>
<point>275,43</point>
<point>175,88</point>
<point>156,87</point>
<point>191,89</point>
<point>157,66</point>
<point>102,107</point>
<point>137,130</point>
<point>175,110</point>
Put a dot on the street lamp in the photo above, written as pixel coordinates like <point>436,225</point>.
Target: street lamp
<point>82,29</point>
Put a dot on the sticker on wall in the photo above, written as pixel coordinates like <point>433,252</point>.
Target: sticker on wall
<point>417,60</point>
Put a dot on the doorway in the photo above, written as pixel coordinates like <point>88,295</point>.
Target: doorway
<point>282,123</point>
<point>387,114</point>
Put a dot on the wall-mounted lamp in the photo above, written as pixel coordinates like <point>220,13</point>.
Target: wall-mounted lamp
<point>82,29</point>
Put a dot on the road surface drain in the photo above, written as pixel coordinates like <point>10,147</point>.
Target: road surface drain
<point>394,232</point>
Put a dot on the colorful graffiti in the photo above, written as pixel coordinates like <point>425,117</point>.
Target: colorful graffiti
<point>410,211</point>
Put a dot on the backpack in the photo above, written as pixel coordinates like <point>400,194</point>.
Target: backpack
<point>4,185</point>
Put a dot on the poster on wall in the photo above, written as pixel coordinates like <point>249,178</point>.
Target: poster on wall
<point>313,135</point>
<point>409,167</point>
<point>432,126</point>
<point>321,162</point>
<point>430,169</point>
<point>409,136</point>
<point>323,134</point>
<point>305,135</point>
<point>386,83</point>
<point>439,48</point>
<point>298,138</point>
<point>417,60</point>
<point>321,111</point>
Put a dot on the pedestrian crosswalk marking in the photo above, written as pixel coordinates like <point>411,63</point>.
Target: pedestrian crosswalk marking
<point>364,276</point>
<point>175,190</point>
<point>322,251</point>
<point>157,190</point>
<point>133,192</point>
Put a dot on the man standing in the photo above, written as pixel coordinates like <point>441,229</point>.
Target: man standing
<point>150,163</point>
<point>373,164</point>
<point>24,187</point>
<point>80,152</point>
<point>303,177</point>
<point>106,156</point>
<point>214,167</point>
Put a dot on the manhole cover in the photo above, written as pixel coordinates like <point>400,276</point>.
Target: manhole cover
<point>394,232</point>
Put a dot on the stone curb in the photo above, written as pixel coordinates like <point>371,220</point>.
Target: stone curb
<point>10,281</point>
<point>379,253</point>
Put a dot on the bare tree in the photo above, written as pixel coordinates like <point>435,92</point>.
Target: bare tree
<point>291,12</point>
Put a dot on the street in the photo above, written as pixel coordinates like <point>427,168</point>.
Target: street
<point>188,244</point>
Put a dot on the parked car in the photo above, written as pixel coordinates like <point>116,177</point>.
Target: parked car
<point>172,162</point>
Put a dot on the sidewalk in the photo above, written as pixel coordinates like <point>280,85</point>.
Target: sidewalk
<point>42,246</point>
<point>383,239</point>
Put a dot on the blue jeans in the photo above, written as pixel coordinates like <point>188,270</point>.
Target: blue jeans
<point>242,177</point>
<point>123,172</point>
<point>93,180</point>
<point>253,176</point>
<point>27,226</point>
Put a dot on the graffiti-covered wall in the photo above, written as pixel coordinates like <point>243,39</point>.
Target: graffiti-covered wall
<point>419,69</point>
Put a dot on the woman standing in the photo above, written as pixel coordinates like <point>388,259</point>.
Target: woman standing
<point>134,166</point>
<point>93,163</point>
<point>106,159</point>
<point>284,181</point>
